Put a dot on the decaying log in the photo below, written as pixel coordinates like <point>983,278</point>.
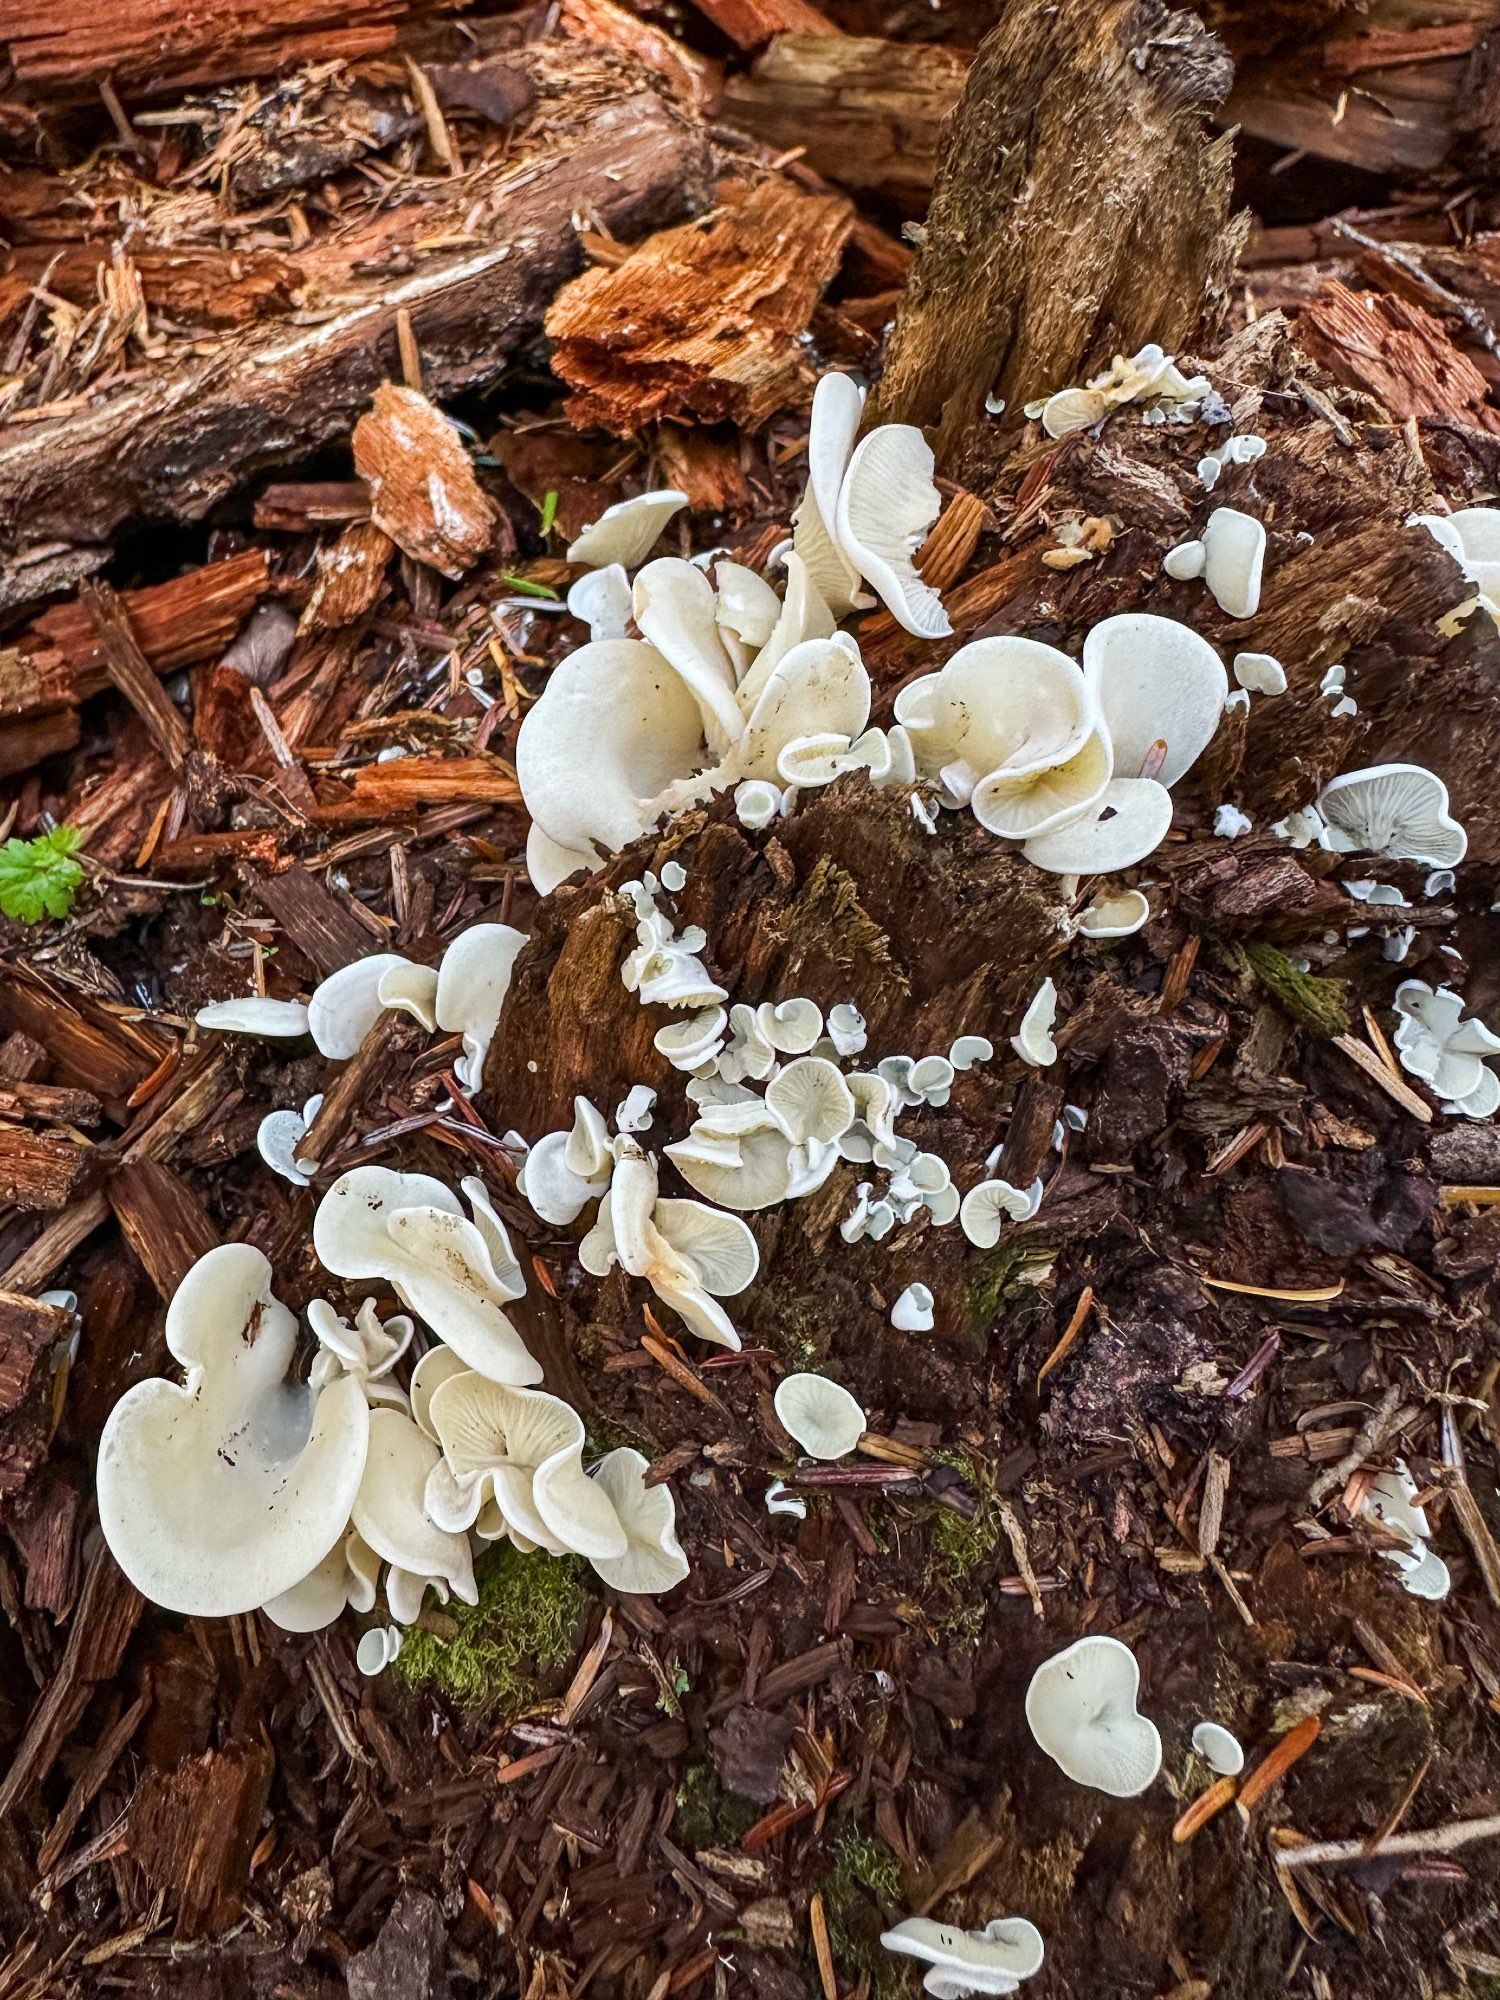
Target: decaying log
<point>177,436</point>
<point>748,23</point>
<point>155,45</point>
<point>192,1830</point>
<point>1070,112</point>
<point>866,112</point>
<point>703,322</point>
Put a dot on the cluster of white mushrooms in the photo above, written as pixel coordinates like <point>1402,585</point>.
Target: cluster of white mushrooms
<point>244,1487</point>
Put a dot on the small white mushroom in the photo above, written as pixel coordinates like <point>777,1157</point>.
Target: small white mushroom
<point>280,1133</point>
<point>985,1207</point>
<point>1185,562</point>
<point>1261,673</point>
<point>347,1004</point>
<point>1033,1041</point>
<point>1472,537</point>
<point>780,1501</point>
<point>378,1648</point>
<point>970,1049</point>
<point>1130,821</point>
<point>601,600</point>
<point>1391,1500</point>
<point>1114,913</point>
<point>838,402</point>
<point>434,1368</point>
<point>1160,690</point>
<point>1396,809</point>
<point>846,1028</point>
<point>348,1578</point>
<point>411,989</point>
<point>1234,552</point>
<point>792,1027</point>
<point>636,1109</point>
<point>993,1960</point>
<point>688,1045</point>
<point>472,982</point>
<point>456,1273</point>
<point>626,532</point>
<point>390,1514</point>
<point>912,1312</point>
<point>821,1416</point>
<point>227,1491</point>
<point>756,803</point>
<point>812,1101</point>
<point>1081,1709</point>
<point>368,1350</point>
<point>653,1561</point>
<point>690,1255</point>
<point>269,1019</point>
<point>516,1454</point>
<point>565,1171</point>
<point>1230,823</point>
<point>1219,1748</point>
<point>886,505</point>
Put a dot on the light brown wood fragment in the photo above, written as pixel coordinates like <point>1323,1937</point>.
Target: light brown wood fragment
<point>351,577</point>
<point>163,1221</point>
<point>191,1830</point>
<point>44,1170</point>
<point>703,321</point>
<point>691,78</point>
<point>423,489</point>
<point>748,23</point>
<point>131,672</point>
<point>1397,351</point>
<point>386,791</point>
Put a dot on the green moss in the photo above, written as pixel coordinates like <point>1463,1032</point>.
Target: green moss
<point>707,1815</point>
<point>862,1884</point>
<point>958,1546</point>
<point>1003,1277</point>
<point>524,1627</point>
<point>1319,1005</point>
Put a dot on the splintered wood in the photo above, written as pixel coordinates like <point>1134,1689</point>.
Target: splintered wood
<point>1396,350</point>
<point>423,491</point>
<point>703,321</point>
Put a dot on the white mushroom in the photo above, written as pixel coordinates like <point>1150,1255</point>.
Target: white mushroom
<point>1396,809</point>
<point>985,1206</point>
<point>780,1501</point>
<point>970,1049</point>
<point>837,405</point>
<point>1472,537</point>
<point>520,1453</point>
<point>368,1350</point>
<point>390,1514</point>
<point>690,1255</point>
<point>1261,673</point>
<point>886,505</point>
<point>347,1004</point>
<point>411,989</point>
<point>653,1561</point>
<point>689,1044</point>
<point>565,1171</point>
<point>1033,1041</point>
<point>1130,821</point>
<point>228,1491</point>
<point>792,1027</point>
<point>348,1578</point>
<point>1435,1043</point>
<point>1081,1709</point>
<point>846,1028</point>
<point>812,1101</point>
<point>1230,823</point>
<point>1114,913</point>
<point>912,1312</point>
<point>1391,1499</point>
<point>429,1375</point>
<point>1185,562</point>
<point>456,1273</point>
<point>636,1108</point>
<point>746,609</point>
<point>280,1133</point>
<point>819,1415</point>
<point>756,803</point>
<point>993,1960</point>
<point>601,600</point>
<point>1160,690</point>
<point>626,532</point>
<point>1219,1748</point>
<point>472,982</point>
<point>252,1015</point>
<point>378,1648</point>
<point>1234,551</point>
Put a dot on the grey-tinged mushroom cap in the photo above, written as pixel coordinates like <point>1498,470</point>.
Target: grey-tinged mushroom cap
<point>227,1491</point>
<point>1080,1707</point>
<point>992,1960</point>
<point>390,1513</point>
<point>1395,809</point>
<point>819,1415</point>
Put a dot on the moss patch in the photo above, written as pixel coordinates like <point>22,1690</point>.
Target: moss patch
<point>863,1881</point>
<point>1319,1005</point>
<point>707,1815</point>
<point>958,1546</point>
<point>524,1627</point>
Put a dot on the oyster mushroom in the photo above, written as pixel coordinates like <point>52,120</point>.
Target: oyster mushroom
<point>1033,1041</point>
<point>472,982</point>
<point>626,532</point>
<point>1435,1043</point>
<point>819,1415</point>
<point>1219,1748</point>
<point>565,1171</point>
<point>280,1133</point>
<point>368,1350</point>
<point>1160,691</point>
<point>1080,1708</point>
<point>690,1255</point>
<point>838,402</point>
<point>1472,537</point>
<point>601,600</point>
<point>912,1312</point>
<point>1234,552</point>
<point>348,1578</point>
<point>985,1207</point>
<point>653,1561</point>
<point>455,1272</point>
<point>227,1491</point>
<point>886,505</point>
<point>992,1960</point>
<point>254,1015</point>
<point>391,1517</point>
<point>1392,1500</point>
<point>1396,809</point>
<point>1114,913</point>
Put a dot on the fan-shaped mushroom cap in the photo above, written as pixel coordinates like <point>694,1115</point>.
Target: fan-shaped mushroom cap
<point>253,1015</point>
<point>1073,410</point>
<point>346,1578</point>
<point>993,1960</point>
<point>1261,673</point>
<point>912,1312</point>
<point>1395,809</point>
<point>565,1171</point>
<point>368,1350</point>
<point>1130,821</point>
<point>674,608</point>
<point>653,1561</point>
<point>411,989</point>
<point>1185,562</point>
<point>1033,1041</point>
<point>886,505</point>
<point>819,688</point>
<point>377,1648</point>
<point>524,1449</point>
<point>347,1004</point>
<point>1436,1044</point>
<point>689,1044</point>
<point>280,1133</point>
<point>643,730</point>
<point>434,1368</point>
<point>548,862</point>
<point>984,1206</point>
<point>1155,681</point>
<point>1026,805</point>
<point>1472,537</point>
<point>819,1415</point>
<point>1081,1709</point>
<point>837,404</point>
<point>736,1155</point>
<point>1391,1498</point>
<point>746,608</point>
<point>1219,1748</point>
<point>390,1514</point>
<point>229,1490</point>
<point>1002,707</point>
<point>1114,913</point>
<point>756,803</point>
<point>690,1255</point>
<point>626,532</point>
<point>411,1231</point>
<point>812,1100</point>
<point>1234,551</point>
<point>472,982</point>
<point>601,600</point>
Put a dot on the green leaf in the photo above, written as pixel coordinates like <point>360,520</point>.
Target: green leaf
<point>525,587</point>
<point>39,878</point>
<point>549,511</point>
